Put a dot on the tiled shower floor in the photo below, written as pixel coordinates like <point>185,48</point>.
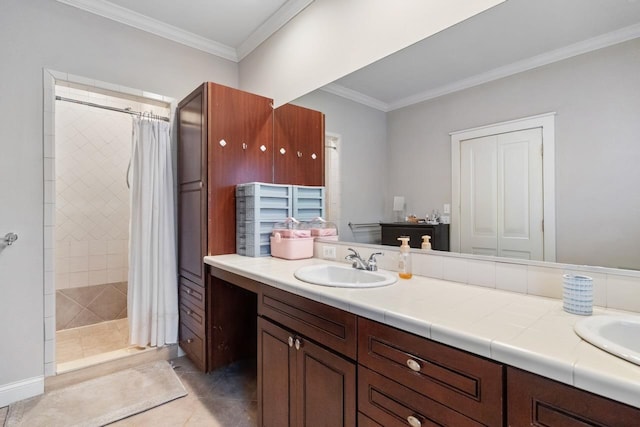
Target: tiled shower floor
<point>92,344</point>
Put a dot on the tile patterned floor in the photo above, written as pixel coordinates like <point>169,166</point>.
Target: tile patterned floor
<point>86,341</point>
<point>224,398</point>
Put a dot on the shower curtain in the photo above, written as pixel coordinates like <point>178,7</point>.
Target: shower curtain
<point>153,290</point>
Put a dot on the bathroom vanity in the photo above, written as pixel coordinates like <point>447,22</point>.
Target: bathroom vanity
<point>439,234</point>
<point>387,357</point>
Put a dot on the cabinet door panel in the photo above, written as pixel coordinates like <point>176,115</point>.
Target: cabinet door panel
<point>326,388</point>
<point>300,132</point>
<point>192,186</point>
<point>275,379</point>
<point>244,121</point>
<point>537,401</point>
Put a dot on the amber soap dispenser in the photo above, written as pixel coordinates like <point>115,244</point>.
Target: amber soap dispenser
<point>404,261</point>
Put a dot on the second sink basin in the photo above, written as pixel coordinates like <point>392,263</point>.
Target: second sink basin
<point>343,277</point>
<point>619,335</point>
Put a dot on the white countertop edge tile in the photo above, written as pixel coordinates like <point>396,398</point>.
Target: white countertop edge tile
<point>537,363</point>
<point>583,368</point>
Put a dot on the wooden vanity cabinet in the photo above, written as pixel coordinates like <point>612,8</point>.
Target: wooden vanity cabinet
<point>537,401</point>
<point>402,375</point>
<point>305,377</point>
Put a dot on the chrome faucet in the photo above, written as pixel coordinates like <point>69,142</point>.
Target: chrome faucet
<point>360,264</point>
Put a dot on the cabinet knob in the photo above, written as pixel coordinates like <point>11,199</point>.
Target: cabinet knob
<point>189,312</point>
<point>290,341</point>
<point>244,145</point>
<point>189,340</point>
<point>313,156</point>
<point>282,151</point>
<point>189,291</point>
<point>299,153</point>
<point>413,421</point>
<point>413,365</point>
<point>298,343</point>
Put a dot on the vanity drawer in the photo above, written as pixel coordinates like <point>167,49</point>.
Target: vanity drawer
<point>391,404</point>
<point>192,317</point>
<point>193,345</point>
<point>319,322</point>
<point>192,293</point>
<point>470,384</point>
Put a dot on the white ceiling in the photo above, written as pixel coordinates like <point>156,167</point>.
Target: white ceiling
<point>511,37</point>
<point>230,29</point>
<point>514,36</point>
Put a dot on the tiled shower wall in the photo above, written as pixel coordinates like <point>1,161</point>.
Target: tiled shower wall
<point>92,200</point>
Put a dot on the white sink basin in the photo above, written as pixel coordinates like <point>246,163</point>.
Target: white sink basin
<point>343,277</point>
<point>619,335</point>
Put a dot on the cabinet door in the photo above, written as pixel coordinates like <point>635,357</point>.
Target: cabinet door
<point>192,186</point>
<point>276,376</point>
<point>326,387</point>
<point>299,146</point>
<point>239,124</point>
<point>537,401</point>
<point>301,383</point>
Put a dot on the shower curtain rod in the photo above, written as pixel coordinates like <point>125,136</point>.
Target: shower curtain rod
<point>119,110</point>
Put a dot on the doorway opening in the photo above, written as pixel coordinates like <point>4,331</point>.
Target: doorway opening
<point>87,222</point>
<point>332,177</point>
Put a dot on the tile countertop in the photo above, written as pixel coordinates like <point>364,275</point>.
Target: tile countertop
<point>524,331</point>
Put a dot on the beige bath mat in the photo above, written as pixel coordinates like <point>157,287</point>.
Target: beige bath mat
<point>101,400</point>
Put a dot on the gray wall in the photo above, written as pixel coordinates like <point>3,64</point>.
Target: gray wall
<point>597,100</point>
<point>363,163</point>
<point>37,34</point>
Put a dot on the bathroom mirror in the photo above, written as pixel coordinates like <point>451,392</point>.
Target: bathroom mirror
<point>516,60</point>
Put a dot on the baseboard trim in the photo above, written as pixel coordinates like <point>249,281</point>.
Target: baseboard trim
<point>19,390</point>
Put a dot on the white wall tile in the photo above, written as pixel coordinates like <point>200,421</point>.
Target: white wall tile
<point>62,280</point>
<point>544,281</point>
<point>429,265</point>
<point>49,328</point>
<point>50,305</point>
<point>98,277</point>
<point>50,369</point>
<point>511,277</point>
<point>97,262</point>
<point>623,293</point>
<point>97,247</point>
<point>456,269</point>
<point>482,273</point>
<point>78,264</point>
<point>78,279</point>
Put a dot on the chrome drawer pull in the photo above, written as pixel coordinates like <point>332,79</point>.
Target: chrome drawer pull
<point>413,421</point>
<point>290,341</point>
<point>413,365</point>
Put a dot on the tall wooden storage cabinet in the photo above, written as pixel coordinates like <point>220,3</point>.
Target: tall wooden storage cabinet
<point>226,137</point>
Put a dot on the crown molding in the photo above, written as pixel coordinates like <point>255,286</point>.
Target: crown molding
<point>356,96</point>
<point>134,19</point>
<point>589,45</point>
<point>276,21</point>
